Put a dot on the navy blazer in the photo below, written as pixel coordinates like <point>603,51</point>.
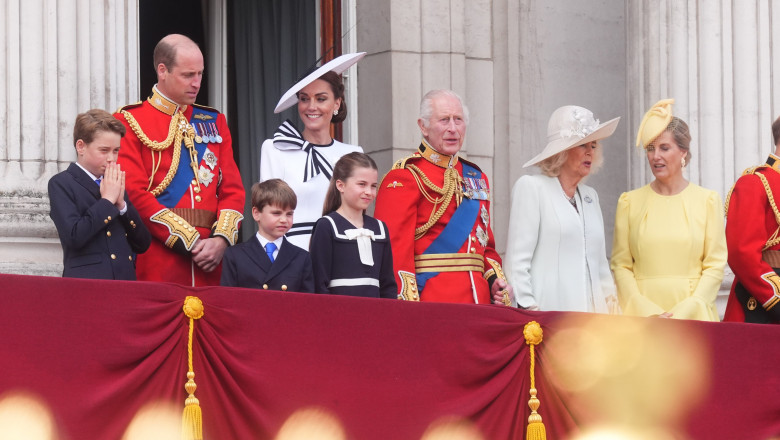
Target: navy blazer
<point>97,242</point>
<point>247,265</point>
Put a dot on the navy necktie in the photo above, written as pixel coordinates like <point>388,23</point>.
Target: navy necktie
<point>269,250</point>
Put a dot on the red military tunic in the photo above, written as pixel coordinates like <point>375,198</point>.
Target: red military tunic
<point>178,207</point>
<point>407,203</point>
<point>751,224</point>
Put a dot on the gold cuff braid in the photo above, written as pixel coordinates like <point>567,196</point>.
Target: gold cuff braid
<point>178,228</point>
<point>227,225</point>
<point>408,287</point>
<point>495,269</point>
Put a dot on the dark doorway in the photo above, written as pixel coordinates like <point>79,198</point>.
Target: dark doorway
<point>160,18</point>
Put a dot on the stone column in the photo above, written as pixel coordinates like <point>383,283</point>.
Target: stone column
<point>58,58</point>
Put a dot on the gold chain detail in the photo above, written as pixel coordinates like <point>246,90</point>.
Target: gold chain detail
<point>728,196</point>
<point>773,240</point>
<point>156,146</point>
<point>178,130</point>
<point>451,185</point>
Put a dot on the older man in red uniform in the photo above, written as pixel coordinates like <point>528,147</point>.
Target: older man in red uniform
<point>437,209</point>
<point>180,171</point>
<point>753,240</point>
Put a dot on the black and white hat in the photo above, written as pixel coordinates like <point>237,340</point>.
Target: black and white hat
<point>337,65</point>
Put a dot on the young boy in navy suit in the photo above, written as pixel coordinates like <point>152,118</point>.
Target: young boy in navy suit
<point>268,261</point>
<point>100,230</point>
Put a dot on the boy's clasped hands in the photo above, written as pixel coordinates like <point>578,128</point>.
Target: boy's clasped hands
<point>112,186</point>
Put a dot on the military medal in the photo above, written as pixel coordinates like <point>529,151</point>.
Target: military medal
<point>482,236</point>
<point>484,214</point>
<point>210,159</point>
<point>198,139</point>
<point>217,137</point>
<point>205,175</point>
<point>212,137</point>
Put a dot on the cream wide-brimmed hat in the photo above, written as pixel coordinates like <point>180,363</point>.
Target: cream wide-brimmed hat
<point>337,65</point>
<point>569,126</point>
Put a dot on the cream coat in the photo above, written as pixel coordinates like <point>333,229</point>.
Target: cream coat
<point>553,251</point>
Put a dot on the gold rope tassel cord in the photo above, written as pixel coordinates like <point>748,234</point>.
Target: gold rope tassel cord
<point>533,337</point>
<point>192,420</point>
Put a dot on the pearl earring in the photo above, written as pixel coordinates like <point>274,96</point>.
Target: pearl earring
<point>335,112</point>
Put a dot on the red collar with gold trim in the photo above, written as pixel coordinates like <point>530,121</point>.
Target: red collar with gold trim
<point>162,103</point>
<point>426,151</point>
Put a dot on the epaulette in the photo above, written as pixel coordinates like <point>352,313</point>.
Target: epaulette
<point>752,170</point>
<point>401,163</point>
<point>749,171</point>
<point>129,106</point>
<point>205,107</point>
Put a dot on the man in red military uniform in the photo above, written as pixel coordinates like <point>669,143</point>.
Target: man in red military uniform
<point>180,172</point>
<point>437,209</point>
<point>753,240</point>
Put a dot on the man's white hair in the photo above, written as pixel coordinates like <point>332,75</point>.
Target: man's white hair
<point>426,107</point>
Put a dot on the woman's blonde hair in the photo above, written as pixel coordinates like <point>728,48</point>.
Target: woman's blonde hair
<point>551,166</point>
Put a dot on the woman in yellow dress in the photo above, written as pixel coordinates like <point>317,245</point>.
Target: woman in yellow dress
<point>669,246</point>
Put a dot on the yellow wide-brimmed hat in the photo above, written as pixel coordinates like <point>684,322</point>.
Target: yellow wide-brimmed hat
<point>337,65</point>
<point>654,122</point>
<point>569,126</point>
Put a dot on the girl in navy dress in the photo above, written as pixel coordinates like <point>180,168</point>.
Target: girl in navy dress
<point>350,250</point>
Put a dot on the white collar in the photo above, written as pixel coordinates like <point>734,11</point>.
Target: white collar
<point>264,241</point>
<point>94,177</point>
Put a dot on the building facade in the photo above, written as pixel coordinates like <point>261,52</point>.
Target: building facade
<point>514,62</point>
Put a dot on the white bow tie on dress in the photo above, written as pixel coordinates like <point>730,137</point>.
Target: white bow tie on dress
<point>364,238</point>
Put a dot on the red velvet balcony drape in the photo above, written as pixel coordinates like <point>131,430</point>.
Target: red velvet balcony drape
<point>95,352</point>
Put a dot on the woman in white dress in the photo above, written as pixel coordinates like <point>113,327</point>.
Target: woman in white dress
<point>305,159</point>
<point>556,255</point>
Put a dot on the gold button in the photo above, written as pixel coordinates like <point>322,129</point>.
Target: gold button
<point>108,233</point>
<point>113,257</point>
<point>109,218</point>
<point>197,198</point>
<point>170,214</point>
<point>196,189</point>
<point>130,257</point>
<point>105,221</point>
<point>180,222</point>
<point>473,250</point>
<point>194,182</point>
<point>265,286</point>
<point>284,287</point>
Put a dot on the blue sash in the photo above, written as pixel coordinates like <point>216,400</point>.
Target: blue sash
<point>457,230</point>
<point>182,179</point>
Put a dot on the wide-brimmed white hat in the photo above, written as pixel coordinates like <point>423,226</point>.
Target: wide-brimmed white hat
<point>570,126</point>
<point>338,65</point>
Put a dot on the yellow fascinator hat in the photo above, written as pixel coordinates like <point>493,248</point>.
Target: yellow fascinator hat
<point>655,122</point>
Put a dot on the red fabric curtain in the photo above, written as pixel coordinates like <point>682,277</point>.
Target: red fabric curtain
<point>95,352</point>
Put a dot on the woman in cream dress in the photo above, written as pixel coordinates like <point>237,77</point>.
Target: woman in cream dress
<point>556,257</point>
<point>669,246</point>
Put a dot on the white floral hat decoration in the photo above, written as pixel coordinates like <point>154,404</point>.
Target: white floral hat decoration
<point>571,126</point>
<point>337,65</point>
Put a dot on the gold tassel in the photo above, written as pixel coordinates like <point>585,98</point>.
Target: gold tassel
<point>192,419</point>
<point>533,337</point>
